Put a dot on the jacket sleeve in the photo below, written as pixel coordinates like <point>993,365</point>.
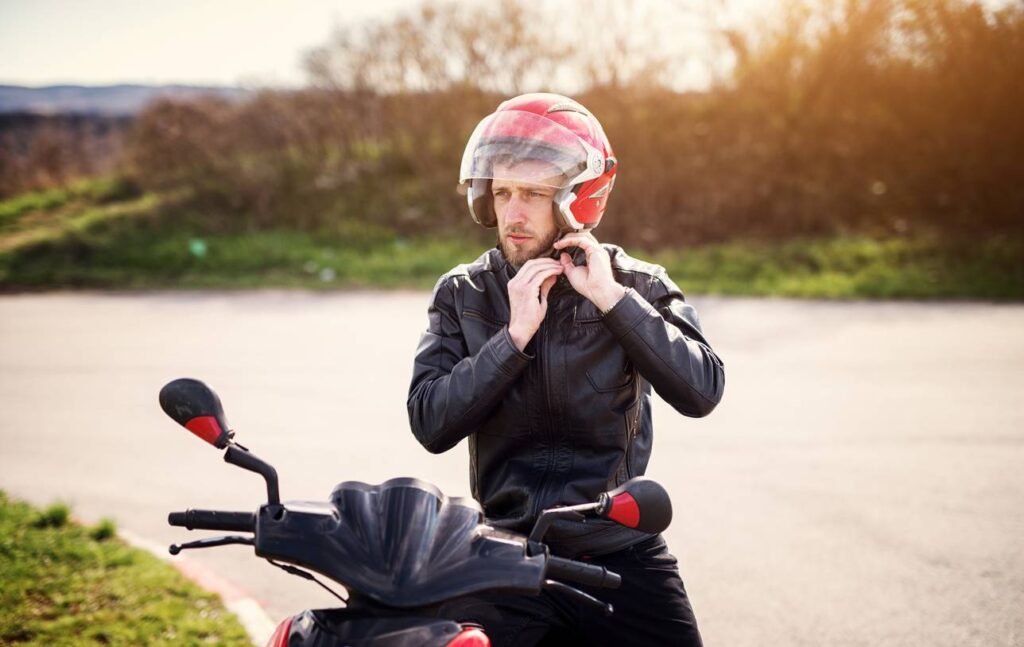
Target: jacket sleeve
<point>662,336</point>
<point>451,390</point>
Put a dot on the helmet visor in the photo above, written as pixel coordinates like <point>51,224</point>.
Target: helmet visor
<point>525,147</point>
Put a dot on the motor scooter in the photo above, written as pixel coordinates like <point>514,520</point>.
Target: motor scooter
<point>400,549</point>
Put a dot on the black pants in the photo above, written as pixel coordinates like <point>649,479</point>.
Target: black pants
<point>651,607</point>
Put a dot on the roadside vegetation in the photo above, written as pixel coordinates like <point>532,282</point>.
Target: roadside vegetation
<point>65,584</point>
<point>851,149</point>
<point>854,268</point>
<point>106,235</point>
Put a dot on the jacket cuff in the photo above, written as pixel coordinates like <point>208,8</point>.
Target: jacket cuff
<point>509,359</point>
<point>626,314</point>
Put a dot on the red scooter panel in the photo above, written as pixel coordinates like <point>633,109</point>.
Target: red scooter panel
<point>280,636</point>
<point>471,637</point>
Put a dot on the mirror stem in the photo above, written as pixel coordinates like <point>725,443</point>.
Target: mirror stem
<point>248,461</point>
<point>546,518</point>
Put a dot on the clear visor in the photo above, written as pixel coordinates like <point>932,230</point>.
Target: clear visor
<point>525,147</point>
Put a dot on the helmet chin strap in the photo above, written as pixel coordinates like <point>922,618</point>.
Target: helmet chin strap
<point>575,253</point>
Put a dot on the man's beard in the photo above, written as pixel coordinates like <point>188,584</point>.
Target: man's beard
<point>516,257</point>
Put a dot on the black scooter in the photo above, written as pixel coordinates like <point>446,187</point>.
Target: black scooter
<point>400,548</point>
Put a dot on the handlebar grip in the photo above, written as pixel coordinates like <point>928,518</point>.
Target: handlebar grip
<point>213,520</point>
<point>587,574</point>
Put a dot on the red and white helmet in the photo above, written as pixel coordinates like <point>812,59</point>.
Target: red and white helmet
<point>545,139</point>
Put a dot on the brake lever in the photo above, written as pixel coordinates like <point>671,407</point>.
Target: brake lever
<point>580,596</point>
<point>210,542</point>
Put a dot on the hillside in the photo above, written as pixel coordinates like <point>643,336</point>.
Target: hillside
<point>107,100</point>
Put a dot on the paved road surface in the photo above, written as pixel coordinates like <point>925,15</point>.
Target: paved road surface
<point>861,484</point>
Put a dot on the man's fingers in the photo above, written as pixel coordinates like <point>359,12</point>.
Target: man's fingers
<point>531,287</point>
<point>531,267</point>
<point>535,286</point>
<point>537,272</point>
<point>570,268</point>
<point>537,262</point>
<point>545,274</point>
<point>546,286</point>
<point>576,235</point>
<point>583,239</point>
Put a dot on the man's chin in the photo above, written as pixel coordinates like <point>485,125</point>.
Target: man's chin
<point>516,256</point>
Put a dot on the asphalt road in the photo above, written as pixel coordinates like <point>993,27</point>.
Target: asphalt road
<point>862,482</point>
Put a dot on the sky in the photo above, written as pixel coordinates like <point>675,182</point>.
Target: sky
<point>219,42</point>
<point>201,42</point>
<point>256,43</point>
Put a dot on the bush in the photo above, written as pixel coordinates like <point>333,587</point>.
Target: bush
<point>104,530</point>
<point>875,117</point>
<point>55,515</point>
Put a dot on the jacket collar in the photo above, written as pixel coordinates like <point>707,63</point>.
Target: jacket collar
<point>501,263</point>
<point>508,270</point>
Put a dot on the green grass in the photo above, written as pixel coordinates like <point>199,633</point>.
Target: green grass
<point>55,515</point>
<point>180,259</point>
<point>36,201</point>
<point>92,191</point>
<point>108,236</point>
<point>64,584</point>
<point>855,268</point>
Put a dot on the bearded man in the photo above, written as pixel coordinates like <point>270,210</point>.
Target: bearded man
<point>543,353</point>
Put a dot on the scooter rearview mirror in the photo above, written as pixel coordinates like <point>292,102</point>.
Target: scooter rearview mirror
<point>195,406</point>
<point>638,503</point>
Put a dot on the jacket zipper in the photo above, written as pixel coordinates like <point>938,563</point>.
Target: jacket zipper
<point>631,429</point>
<point>546,424</point>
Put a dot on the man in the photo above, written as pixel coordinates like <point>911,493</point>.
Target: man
<point>543,352</point>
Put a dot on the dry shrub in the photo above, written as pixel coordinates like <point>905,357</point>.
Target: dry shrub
<point>45,151</point>
<point>855,116</point>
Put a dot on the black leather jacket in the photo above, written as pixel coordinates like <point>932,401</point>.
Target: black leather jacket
<point>571,416</point>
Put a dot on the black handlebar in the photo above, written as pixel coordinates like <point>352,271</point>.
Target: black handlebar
<point>587,574</point>
<point>213,520</point>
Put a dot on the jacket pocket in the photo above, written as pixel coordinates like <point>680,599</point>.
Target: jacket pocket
<point>477,329</point>
<point>586,314</point>
<point>608,379</point>
<point>476,314</point>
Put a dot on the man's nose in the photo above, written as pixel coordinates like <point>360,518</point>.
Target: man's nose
<point>515,210</point>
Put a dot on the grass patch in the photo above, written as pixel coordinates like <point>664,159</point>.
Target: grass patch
<point>181,259</point>
<point>68,585</point>
<point>110,237</point>
<point>854,268</point>
<point>91,191</point>
<point>11,209</point>
<point>55,515</point>
<point>104,530</point>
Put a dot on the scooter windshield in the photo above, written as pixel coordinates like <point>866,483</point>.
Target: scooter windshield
<point>402,543</point>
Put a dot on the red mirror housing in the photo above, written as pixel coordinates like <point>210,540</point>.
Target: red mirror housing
<point>195,406</point>
<point>638,503</point>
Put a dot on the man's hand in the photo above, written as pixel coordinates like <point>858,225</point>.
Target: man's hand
<point>528,298</point>
<point>594,280</point>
